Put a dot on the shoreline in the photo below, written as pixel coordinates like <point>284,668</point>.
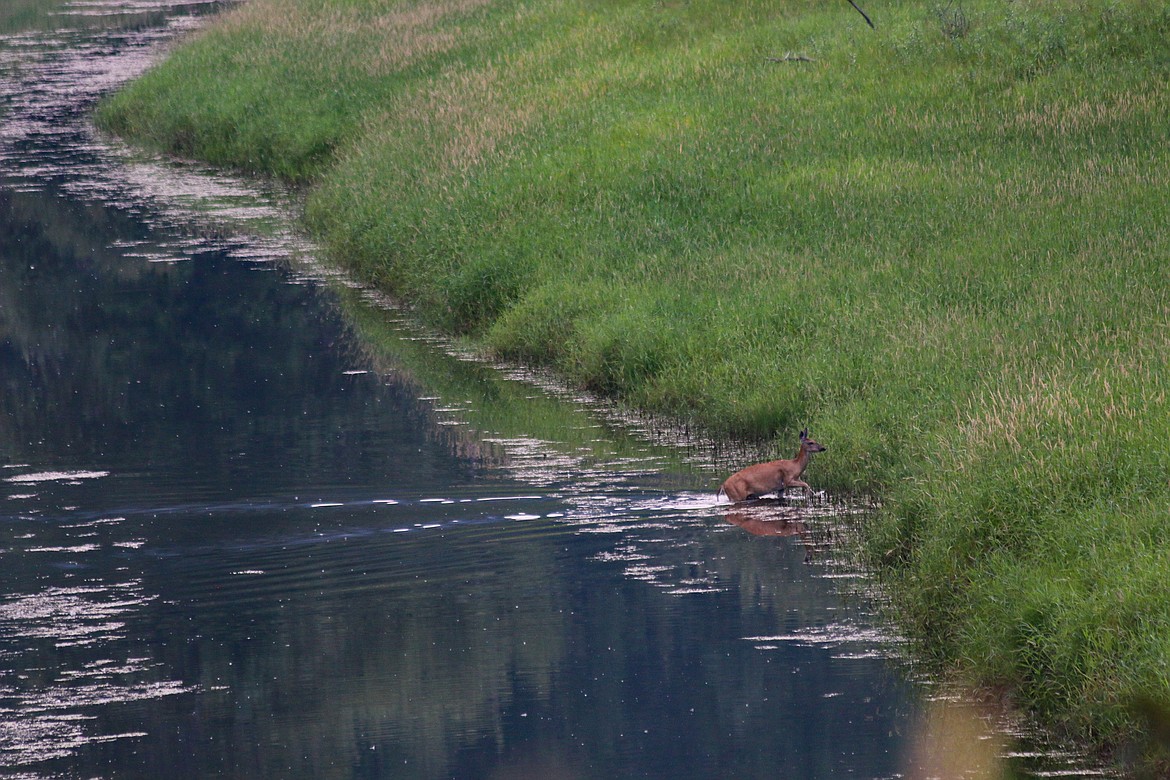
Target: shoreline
<point>938,245</point>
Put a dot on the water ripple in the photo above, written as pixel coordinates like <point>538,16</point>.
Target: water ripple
<point>45,713</point>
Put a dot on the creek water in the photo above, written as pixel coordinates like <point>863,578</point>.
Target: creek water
<point>255,524</point>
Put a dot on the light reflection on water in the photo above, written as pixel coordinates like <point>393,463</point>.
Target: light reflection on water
<point>244,537</point>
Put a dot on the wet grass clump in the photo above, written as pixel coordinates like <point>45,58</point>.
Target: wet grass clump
<point>941,244</point>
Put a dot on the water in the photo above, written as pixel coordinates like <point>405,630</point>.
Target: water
<point>255,524</point>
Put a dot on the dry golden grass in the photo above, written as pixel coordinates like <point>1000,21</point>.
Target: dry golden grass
<point>379,42</point>
<point>1075,117</point>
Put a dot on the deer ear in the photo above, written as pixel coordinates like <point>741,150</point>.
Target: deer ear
<point>804,434</point>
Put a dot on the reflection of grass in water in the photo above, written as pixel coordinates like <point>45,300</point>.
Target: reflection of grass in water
<point>24,15</point>
<point>207,200</point>
<point>18,16</point>
<point>496,407</point>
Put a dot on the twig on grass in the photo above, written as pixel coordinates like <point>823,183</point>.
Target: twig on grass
<point>790,57</point>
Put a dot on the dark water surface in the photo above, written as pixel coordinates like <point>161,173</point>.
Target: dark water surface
<point>253,525</point>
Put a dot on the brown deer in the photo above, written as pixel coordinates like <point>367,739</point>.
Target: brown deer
<point>775,475</point>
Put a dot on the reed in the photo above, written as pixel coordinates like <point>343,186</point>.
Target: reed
<point>941,244</point>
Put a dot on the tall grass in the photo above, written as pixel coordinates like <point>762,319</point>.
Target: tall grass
<point>942,244</point>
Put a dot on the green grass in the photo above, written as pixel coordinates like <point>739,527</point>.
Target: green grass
<point>942,244</point>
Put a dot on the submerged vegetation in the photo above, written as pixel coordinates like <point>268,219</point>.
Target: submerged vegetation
<point>942,244</point>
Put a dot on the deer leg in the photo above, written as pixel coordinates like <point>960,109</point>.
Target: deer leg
<point>803,485</point>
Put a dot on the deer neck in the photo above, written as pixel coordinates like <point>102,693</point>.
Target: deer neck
<point>801,459</point>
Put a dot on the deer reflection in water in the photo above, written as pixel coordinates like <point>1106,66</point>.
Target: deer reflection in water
<point>770,518</point>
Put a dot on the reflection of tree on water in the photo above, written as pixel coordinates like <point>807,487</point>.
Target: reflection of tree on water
<point>396,671</point>
<point>118,363</point>
<point>216,380</point>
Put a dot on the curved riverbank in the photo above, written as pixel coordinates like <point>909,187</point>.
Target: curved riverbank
<point>941,244</point>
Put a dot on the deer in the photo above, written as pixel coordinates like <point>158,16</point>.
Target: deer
<point>775,475</point>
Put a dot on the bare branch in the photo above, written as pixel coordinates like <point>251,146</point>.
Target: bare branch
<point>790,57</point>
<point>863,14</point>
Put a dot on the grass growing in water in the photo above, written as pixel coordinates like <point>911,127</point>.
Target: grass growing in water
<point>942,244</point>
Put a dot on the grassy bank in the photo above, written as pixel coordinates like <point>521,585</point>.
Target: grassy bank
<point>942,244</point>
